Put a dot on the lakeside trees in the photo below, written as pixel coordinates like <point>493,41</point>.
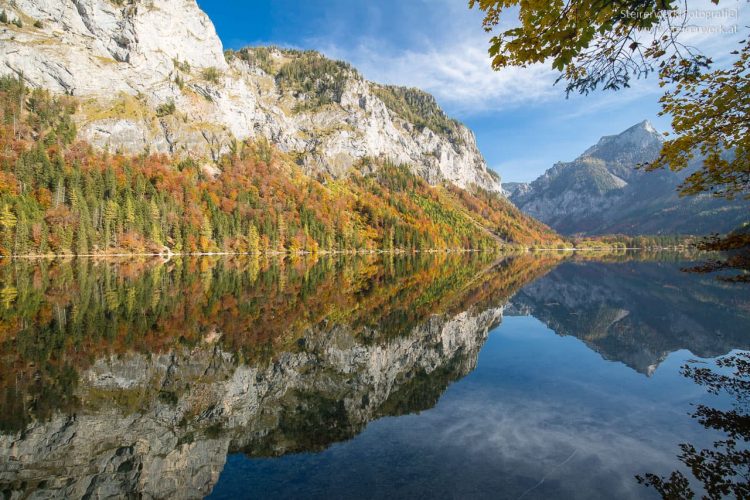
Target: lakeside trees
<point>59,196</point>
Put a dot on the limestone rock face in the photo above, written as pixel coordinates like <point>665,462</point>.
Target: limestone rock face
<point>160,426</point>
<point>126,58</point>
<point>97,47</point>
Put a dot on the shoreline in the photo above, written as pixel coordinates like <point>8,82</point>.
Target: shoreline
<point>170,255</point>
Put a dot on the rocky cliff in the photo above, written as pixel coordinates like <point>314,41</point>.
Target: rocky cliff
<point>152,75</point>
<point>603,192</point>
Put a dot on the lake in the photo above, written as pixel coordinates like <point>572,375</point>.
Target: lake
<point>428,376</point>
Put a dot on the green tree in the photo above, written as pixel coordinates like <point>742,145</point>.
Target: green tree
<point>110,216</point>
<point>22,235</point>
<point>129,211</point>
<point>82,243</point>
<point>604,44</point>
<point>281,229</point>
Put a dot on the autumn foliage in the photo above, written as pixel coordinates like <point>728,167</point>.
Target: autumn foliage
<point>58,317</point>
<point>60,196</point>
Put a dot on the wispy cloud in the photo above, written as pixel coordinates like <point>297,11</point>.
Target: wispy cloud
<point>453,64</point>
<point>459,74</point>
<point>522,121</point>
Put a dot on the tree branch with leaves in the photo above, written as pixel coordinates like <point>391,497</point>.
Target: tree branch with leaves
<point>606,43</point>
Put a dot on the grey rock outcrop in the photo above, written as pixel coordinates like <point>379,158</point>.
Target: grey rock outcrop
<point>127,58</point>
<point>603,192</point>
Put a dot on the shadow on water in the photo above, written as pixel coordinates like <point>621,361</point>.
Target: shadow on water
<point>724,469</point>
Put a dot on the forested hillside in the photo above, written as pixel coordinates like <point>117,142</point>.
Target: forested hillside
<point>154,75</point>
<point>61,196</point>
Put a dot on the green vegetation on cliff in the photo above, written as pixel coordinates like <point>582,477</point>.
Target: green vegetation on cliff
<point>420,108</point>
<point>59,196</point>
<point>307,74</point>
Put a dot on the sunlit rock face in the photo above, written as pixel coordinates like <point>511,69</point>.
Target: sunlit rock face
<point>126,59</point>
<point>161,426</point>
<point>604,192</point>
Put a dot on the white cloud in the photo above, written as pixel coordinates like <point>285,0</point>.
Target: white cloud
<point>458,74</point>
<point>452,63</point>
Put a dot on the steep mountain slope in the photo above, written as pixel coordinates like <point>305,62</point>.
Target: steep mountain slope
<point>156,78</point>
<point>60,196</point>
<point>603,192</point>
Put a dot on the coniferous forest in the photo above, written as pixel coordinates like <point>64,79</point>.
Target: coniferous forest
<point>60,196</point>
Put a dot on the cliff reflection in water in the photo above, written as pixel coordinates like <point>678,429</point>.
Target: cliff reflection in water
<point>139,378</point>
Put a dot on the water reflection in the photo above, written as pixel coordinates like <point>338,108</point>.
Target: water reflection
<point>140,378</point>
<point>637,312</point>
<point>723,469</point>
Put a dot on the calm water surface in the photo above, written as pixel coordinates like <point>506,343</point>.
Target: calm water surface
<point>429,377</point>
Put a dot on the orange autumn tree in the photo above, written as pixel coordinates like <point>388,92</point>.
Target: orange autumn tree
<point>60,196</point>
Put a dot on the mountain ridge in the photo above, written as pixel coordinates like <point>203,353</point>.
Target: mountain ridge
<point>604,192</point>
<point>158,80</point>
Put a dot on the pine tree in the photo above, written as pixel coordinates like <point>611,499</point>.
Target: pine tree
<point>129,212</point>
<point>22,236</point>
<point>281,229</point>
<point>82,244</point>
<point>155,232</point>
<point>110,216</point>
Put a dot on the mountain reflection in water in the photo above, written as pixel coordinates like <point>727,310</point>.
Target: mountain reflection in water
<point>139,378</point>
<point>639,312</point>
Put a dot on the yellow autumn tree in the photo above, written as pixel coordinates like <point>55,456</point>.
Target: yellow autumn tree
<point>604,45</point>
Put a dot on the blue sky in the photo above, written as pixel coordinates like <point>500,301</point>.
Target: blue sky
<point>523,122</point>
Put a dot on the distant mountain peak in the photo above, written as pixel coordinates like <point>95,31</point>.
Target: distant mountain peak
<point>641,140</point>
<point>647,126</point>
<point>603,191</point>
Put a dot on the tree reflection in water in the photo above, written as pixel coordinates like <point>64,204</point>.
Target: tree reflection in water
<point>725,469</point>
